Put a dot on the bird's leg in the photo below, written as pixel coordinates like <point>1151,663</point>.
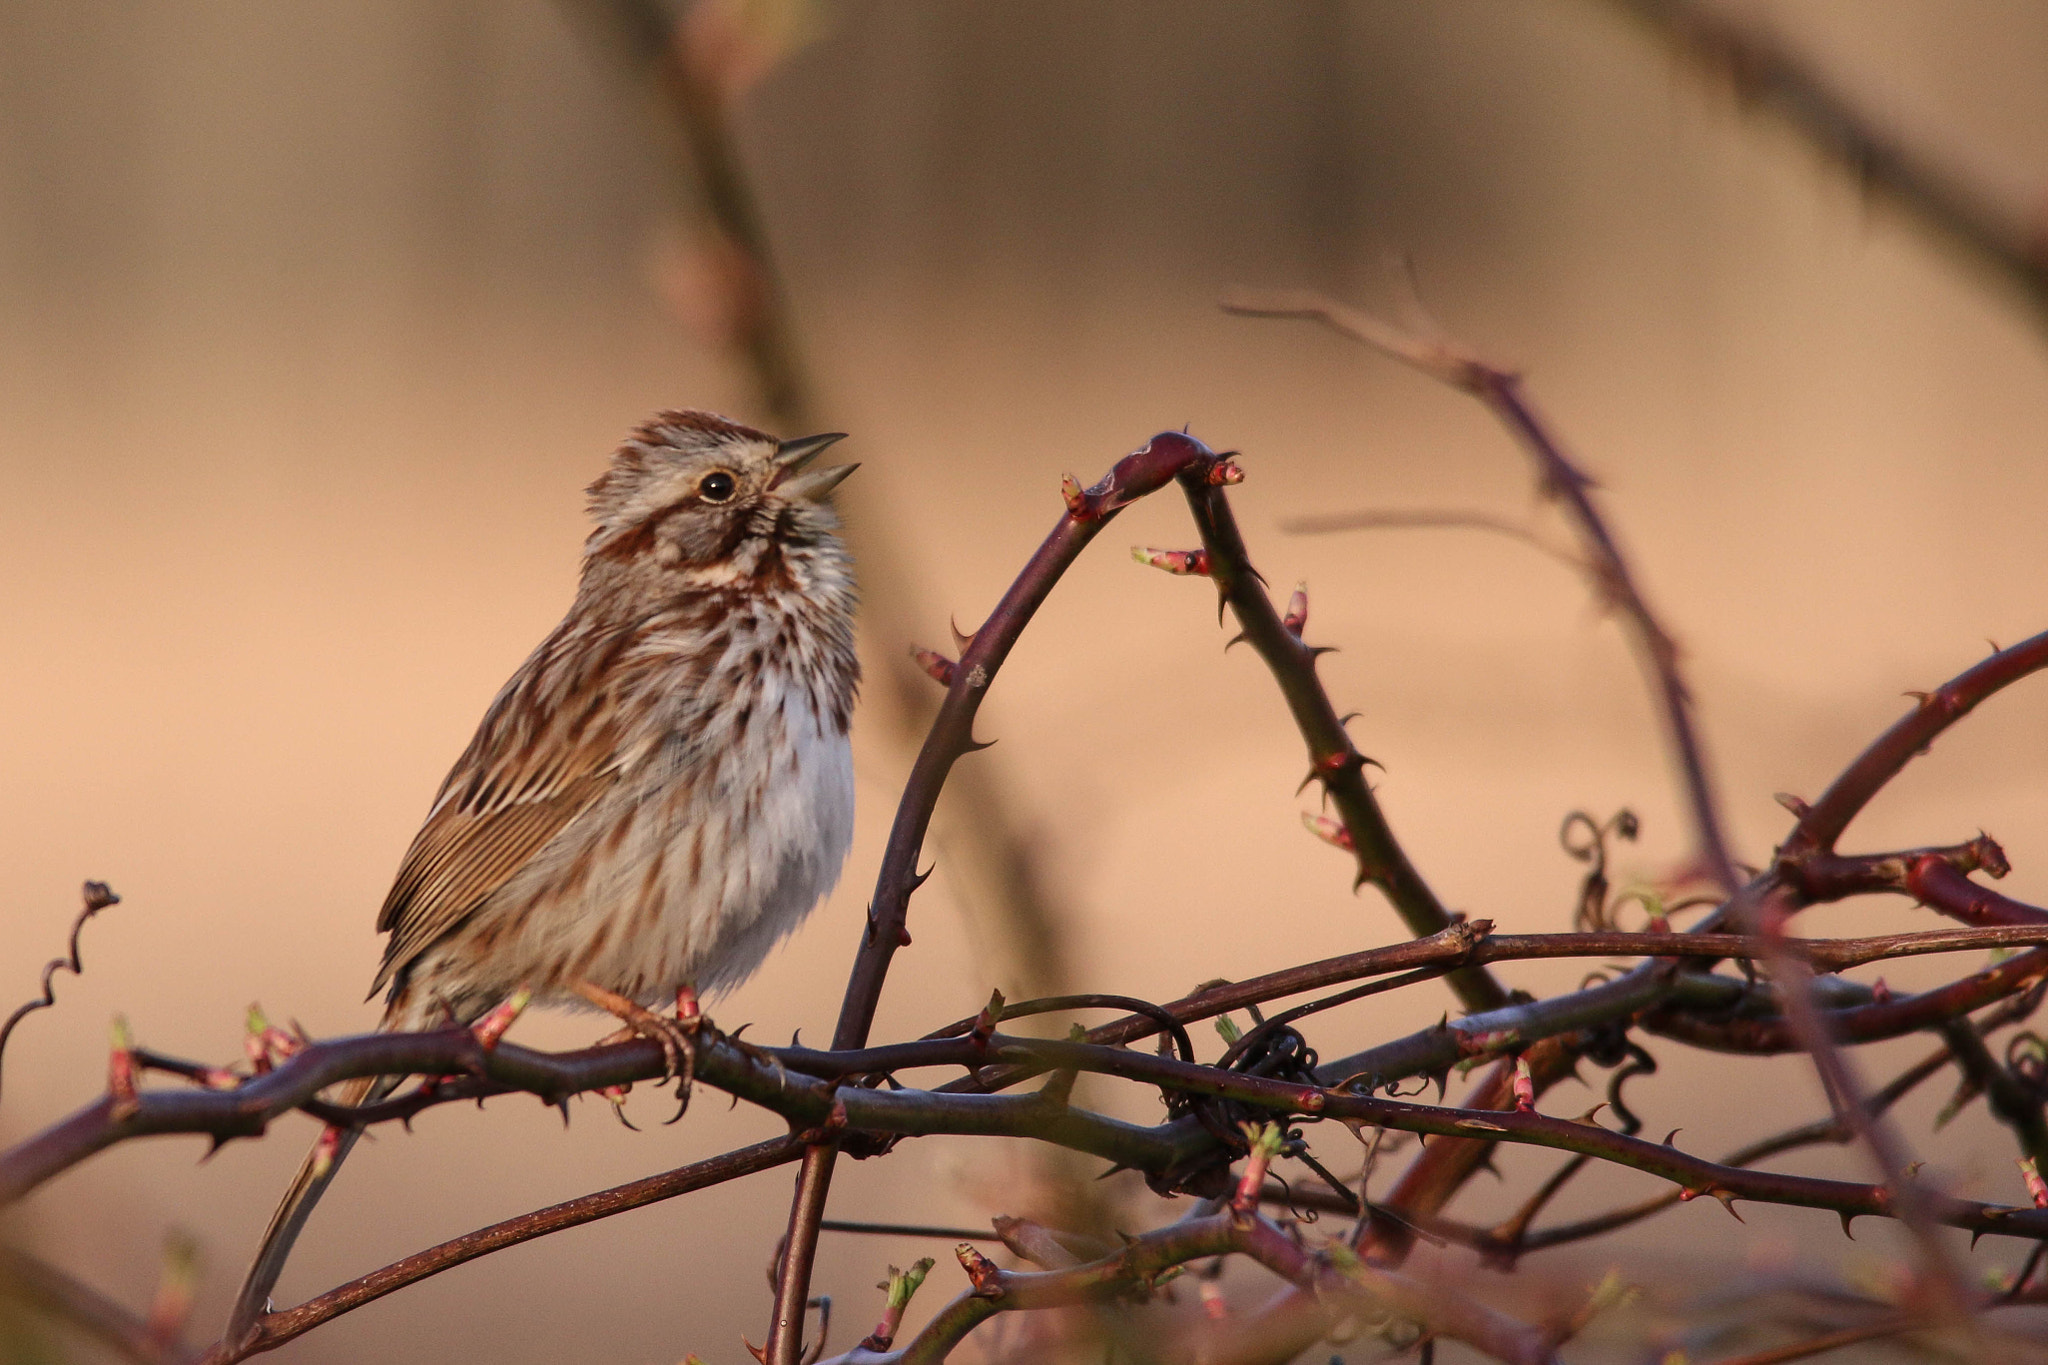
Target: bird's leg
<point>677,1037</point>
<point>492,1026</point>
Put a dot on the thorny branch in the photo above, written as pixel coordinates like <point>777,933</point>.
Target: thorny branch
<point>853,1095</point>
<point>1146,470</point>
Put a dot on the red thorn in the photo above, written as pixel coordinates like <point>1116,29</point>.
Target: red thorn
<point>934,663</point>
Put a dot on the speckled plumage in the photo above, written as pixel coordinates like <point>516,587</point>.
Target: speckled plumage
<point>665,787</point>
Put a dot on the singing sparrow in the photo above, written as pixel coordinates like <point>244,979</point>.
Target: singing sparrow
<point>661,791</point>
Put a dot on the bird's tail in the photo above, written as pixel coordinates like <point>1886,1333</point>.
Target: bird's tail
<point>316,1173</point>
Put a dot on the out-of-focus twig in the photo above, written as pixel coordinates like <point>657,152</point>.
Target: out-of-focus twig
<point>1562,481</point>
<point>1340,1281</point>
<point>2008,242</point>
<point>1430,519</point>
<point>996,854</point>
<point>44,1287</point>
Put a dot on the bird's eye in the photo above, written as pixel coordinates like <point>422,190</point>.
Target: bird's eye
<point>717,486</point>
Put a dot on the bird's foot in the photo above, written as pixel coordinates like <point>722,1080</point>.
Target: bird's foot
<point>678,1037</point>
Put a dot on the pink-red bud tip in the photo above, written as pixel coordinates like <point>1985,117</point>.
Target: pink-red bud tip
<point>981,1271</point>
<point>935,664</point>
<point>1296,619</point>
<point>1525,1087</point>
<point>325,1150</point>
<point>121,1087</point>
<point>2037,1189</point>
<point>1173,561</point>
<point>1223,472</point>
<point>1329,831</point>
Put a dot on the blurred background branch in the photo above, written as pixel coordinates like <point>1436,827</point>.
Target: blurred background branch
<point>1907,168</point>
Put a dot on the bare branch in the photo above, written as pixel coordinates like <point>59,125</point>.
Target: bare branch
<point>275,1329</point>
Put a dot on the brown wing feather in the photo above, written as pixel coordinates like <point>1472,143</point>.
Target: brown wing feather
<point>534,766</point>
<point>460,857</point>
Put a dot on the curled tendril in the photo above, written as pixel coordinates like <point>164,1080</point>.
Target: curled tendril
<point>2026,1056</point>
<point>1638,1063</point>
<point>98,896</point>
<point>1585,839</point>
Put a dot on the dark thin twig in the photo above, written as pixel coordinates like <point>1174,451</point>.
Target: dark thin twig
<point>1430,520</point>
<point>908,1230</point>
<point>1334,760</point>
<point>98,896</point>
<point>1160,1015</point>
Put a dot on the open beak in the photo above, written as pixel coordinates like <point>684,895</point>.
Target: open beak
<point>795,480</point>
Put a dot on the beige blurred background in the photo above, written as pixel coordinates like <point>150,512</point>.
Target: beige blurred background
<point>314,320</point>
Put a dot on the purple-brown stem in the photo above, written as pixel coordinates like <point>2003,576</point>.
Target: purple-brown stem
<point>1912,734</point>
<point>1334,761</point>
<point>276,1328</point>
<point>1146,470</point>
